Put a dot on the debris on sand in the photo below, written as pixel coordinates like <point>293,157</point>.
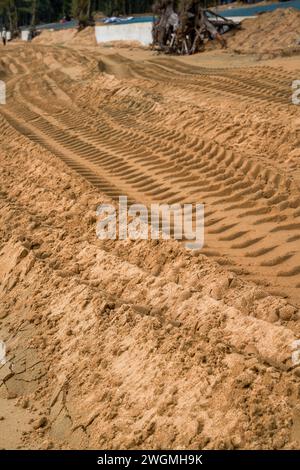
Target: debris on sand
<point>183,31</point>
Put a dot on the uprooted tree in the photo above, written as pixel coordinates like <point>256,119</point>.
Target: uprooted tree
<point>182,27</point>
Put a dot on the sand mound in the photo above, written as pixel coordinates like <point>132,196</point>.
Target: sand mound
<point>55,37</point>
<point>86,37</point>
<point>277,32</point>
<point>69,36</point>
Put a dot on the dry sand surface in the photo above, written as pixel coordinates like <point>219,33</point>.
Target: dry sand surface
<point>67,36</point>
<point>145,344</point>
<point>271,33</point>
<point>85,38</point>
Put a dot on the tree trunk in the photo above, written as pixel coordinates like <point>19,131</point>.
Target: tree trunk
<point>33,12</point>
<point>89,9</point>
<point>10,20</point>
<point>12,16</point>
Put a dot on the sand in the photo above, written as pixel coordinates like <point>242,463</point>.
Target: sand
<point>144,344</point>
<point>271,33</point>
<point>67,36</point>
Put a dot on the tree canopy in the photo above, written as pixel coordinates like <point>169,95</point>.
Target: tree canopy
<point>16,13</point>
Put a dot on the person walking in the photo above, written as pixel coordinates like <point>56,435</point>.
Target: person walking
<point>4,36</point>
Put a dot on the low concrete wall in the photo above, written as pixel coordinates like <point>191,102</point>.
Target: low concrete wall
<point>141,32</point>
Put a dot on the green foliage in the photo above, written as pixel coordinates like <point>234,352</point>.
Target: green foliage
<point>14,13</point>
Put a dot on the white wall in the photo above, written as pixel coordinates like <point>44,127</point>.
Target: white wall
<point>25,35</point>
<point>141,32</point>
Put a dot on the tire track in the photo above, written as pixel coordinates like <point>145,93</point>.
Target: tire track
<point>136,143</point>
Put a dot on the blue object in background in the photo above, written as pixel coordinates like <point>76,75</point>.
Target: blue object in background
<point>253,11</point>
<point>58,26</point>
